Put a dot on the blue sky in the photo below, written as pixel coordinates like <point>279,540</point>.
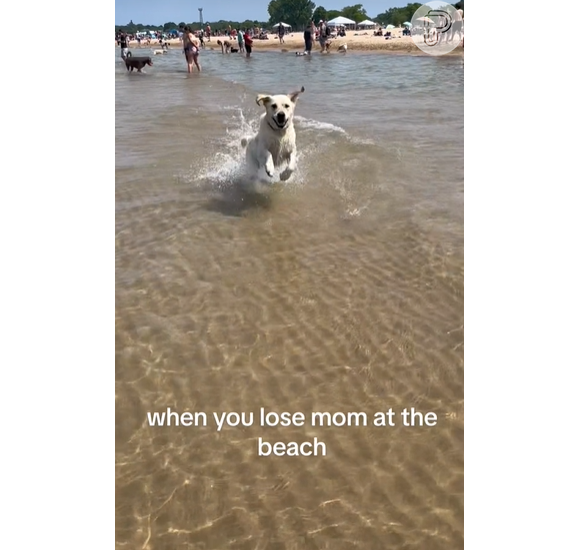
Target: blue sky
<point>154,12</point>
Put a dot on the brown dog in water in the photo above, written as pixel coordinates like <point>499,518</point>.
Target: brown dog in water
<point>137,63</point>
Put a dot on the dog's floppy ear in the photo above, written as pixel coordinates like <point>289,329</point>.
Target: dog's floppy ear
<point>263,99</point>
<point>294,95</point>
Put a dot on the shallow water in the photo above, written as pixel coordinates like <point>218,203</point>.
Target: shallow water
<point>340,290</point>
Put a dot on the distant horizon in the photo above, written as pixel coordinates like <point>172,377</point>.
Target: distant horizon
<point>148,12</point>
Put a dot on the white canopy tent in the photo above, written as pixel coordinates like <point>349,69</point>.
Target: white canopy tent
<point>283,24</point>
<point>339,21</point>
<point>367,23</point>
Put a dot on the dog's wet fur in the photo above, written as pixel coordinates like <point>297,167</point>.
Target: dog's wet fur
<point>275,143</point>
<point>137,63</point>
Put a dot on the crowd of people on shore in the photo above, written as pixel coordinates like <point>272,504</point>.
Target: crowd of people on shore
<point>145,39</point>
<point>230,40</point>
<point>240,40</point>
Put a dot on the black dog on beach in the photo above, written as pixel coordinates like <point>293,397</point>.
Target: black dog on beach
<point>137,63</point>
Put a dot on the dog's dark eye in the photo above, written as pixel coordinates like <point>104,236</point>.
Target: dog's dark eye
<point>274,106</point>
<point>287,106</point>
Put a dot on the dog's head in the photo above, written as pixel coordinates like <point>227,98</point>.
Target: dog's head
<point>279,108</point>
<point>149,61</point>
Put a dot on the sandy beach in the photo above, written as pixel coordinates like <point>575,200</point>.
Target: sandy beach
<point>362,41</point>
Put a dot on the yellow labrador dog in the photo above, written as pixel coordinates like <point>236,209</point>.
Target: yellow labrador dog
<point>275,142</point>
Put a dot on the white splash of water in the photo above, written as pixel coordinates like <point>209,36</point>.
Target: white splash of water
<point>319,126</point>
<point>310,124</point>
<point>228,167</point>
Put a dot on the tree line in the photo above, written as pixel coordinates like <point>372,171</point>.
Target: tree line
<point>398,16</point>
<point>132,28</point>
<point>297,13</point>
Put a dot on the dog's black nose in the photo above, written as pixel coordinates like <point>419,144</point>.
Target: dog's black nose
<point>281,116</point>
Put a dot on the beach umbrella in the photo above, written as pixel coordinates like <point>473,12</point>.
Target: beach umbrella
<point>407,24</point>
<point>390,26</point>
<point>425,19</point>
<point>283,24</point>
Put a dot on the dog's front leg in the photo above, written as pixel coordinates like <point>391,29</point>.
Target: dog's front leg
<point>268,163</point>
<point>290,168</point>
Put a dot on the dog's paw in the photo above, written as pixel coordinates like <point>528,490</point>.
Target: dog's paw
<point>269,169</point>
<point>285,174</point>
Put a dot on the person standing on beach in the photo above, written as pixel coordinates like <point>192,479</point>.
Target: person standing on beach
<point>308,36</point>
<point>208,32</point>
<point>124,46</point>
<point>240,41</point>
<point>190,49</point>
<point>248,43</point>
<point>456,26</point>
<point>281,32</point>
<point>322,34</point>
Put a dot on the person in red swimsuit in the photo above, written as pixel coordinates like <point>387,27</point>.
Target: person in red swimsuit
<point>248,43</point>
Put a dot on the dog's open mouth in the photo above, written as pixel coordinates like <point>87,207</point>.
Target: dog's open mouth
<point>280,125</point>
